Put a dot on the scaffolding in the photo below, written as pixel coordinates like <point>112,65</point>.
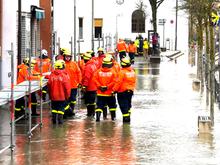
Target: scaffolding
<point>15,92</point>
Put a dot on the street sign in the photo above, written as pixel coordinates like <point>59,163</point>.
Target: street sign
<point>162,21</point>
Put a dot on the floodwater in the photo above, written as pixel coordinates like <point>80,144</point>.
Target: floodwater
<point>163,128</point>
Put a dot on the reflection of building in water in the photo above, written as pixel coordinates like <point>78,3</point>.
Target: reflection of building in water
<point>115,143</point>
<point>142,72</point>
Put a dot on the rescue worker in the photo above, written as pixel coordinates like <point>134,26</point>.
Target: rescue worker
<point>88,85</point>
<point>155,42</point>
<point>115,67</point>
<point>146,47</point>
<point>141,43</point>
<point>136,42</point>
<point>24,75</point>
<point>60,55</point>
<point>81,62</point>
<point>100,57</point>
<point>121,48</point>
<point>75,80</point>
<point>59,91</point>
<point>45,61</point>
<point>20,103</point>
<point>125,88</point>
<point>132,50</point>
<point>105,79</point>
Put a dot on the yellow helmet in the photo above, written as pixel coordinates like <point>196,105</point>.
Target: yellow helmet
<point>81,54</point>
<point>89,51</point>
<point>62,50</point>
<point>59,64</point>
<point>100,49</point>
<point>125,62</point>
<point>26,60</point>
<point>87,56</point>
<point>108,56</point>
<point>67,52</point>
<point>33,62</point>
<point>107,60</point>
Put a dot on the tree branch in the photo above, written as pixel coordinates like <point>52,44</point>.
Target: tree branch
<point>159,3</point>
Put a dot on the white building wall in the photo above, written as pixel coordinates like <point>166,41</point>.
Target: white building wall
<point>9,34</point>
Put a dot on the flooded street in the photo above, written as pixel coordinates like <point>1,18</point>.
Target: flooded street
<point>163,128</point>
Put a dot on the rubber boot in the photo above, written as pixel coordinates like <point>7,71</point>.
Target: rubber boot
<point>60,119</point>
<point>91,110</point>
<point>17,114</point>
<point>54,118</point>
<point>34,110</point>
<point>98,114</point>
<point>126,119</point>
<point>44,96</point>
<point>105,112</point>
<point>88,111</point>
<point>66,114</point>
<point>71,110</point>
<point>113,115</point>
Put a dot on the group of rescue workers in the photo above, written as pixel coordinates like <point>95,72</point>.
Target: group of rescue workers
<point>134,48</point>
<point>100,78</point>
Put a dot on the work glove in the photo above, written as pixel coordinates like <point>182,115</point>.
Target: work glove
<point>103,88</point>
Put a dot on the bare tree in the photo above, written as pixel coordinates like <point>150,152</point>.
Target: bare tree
<point>154,6</point>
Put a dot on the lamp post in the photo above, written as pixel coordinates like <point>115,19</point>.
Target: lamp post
<point>92,37</point>
<point>19,32</point>
<point>176,25</point>
<point>74,40</point>
<point>119,2</point>
<point>116,34</point>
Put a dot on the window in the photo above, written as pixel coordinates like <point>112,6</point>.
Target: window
<point>98,27</point>
<point>80,28</point>
<point>138,22</point>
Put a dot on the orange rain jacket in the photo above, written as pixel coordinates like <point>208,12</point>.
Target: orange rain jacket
<point>127,80</point>
<point>87,77</point>
<point>74,72</point>
<point>59,85</point>
<point>121,46</point>
<point>116,66</point>
<point>98,60</point>
<point>81,65</point>
<point>23,75</point>
<point>46,65</point>
<point>132,48</point>
<point>105,77</point>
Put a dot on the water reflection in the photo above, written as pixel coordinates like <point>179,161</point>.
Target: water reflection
<point>163,129</point>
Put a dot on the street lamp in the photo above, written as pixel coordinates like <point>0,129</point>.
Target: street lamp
<point>74,40</point>
<point>176,25</point>
<point>119,2</point>
<point>92,40</point>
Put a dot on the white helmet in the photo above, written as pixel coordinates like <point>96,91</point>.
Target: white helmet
<point>44,52</point>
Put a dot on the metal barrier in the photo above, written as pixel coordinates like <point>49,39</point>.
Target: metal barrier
<point>15,92</point>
